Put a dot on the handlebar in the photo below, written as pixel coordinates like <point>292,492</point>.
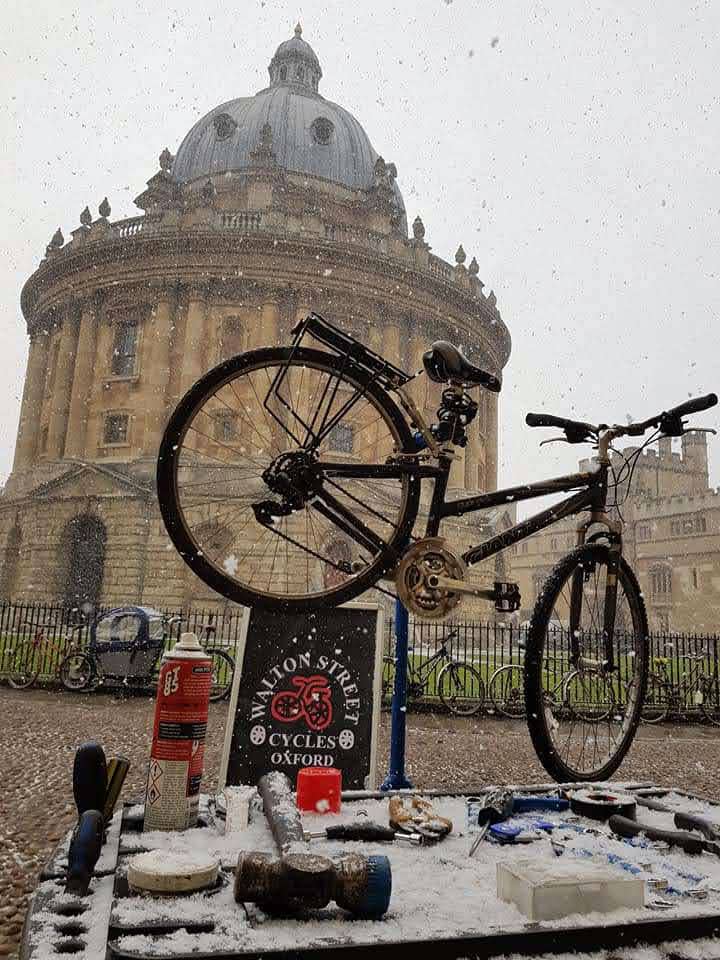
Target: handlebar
<point>669,421</point>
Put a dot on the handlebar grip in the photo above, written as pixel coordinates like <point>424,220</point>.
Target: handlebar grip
<point>623,827</point>
<point>689,821</point>
<point>545,420</point>
<point>693,406</point>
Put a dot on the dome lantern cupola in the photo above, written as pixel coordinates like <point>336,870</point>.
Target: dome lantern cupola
<point>295,62</point>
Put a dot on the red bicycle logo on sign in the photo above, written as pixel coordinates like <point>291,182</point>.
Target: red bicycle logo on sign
<point>311,701</point>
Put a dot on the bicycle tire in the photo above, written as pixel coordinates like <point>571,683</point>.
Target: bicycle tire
<point>76,684</point>
<point>656,705</point>
<point>709,692</point>
<point>498,694</point>
<point>24,674</point>
<point>449,680</point>
<point>169,462</point>
<point>221,690</point>
<point>542,723</point>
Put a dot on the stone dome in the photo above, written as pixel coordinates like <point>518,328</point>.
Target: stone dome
<point>309,134</point>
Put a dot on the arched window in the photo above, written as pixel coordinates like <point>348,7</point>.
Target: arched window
<point>300,74</point>
<point>82,560</point>
<point>11,564</point>
<point>283,73</point>
<point>231,337</point>
<point>123,362</point>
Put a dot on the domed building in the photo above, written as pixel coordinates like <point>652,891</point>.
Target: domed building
<point>273,206</point>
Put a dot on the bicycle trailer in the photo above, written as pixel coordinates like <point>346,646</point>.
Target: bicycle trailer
<point>128,641</point>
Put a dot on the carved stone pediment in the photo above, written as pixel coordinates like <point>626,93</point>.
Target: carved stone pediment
<point>89,480</point>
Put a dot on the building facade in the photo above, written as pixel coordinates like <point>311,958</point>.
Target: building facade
<point>671,538</point>
<point>273,205</point>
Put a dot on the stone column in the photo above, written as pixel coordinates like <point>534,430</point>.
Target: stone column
<point>270,322</point>
<point>62,388</point>
<point>82,380</point>
<point>195,338</point>
<point>471,456</point>
<point>155,366</point>
<point>491,449</point>
<point>35,373</point>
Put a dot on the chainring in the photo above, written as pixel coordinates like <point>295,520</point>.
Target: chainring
<point>424,559</point>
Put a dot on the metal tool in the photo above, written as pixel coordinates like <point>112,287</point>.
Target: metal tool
<point>366,832</point>
<point>301,881</point>
<point>497,806</point>
<point>117,770</point>
<point>688,842</point>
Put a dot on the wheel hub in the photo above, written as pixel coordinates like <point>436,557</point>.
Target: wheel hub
<point>424,561</point>
<point>294,477</point>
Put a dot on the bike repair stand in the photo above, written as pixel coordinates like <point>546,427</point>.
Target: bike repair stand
<point>396,779</point>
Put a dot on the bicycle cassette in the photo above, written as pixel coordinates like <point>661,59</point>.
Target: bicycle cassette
<point>423,560</point>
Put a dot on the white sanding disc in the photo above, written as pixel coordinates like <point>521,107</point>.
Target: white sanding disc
<point>163,871</point>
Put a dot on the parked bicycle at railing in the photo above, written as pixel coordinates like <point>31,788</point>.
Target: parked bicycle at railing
<point>126,645</point>
<point>24,657</point>
<point>457,683</point>
<point>316,497</point>
<point>698,691</point>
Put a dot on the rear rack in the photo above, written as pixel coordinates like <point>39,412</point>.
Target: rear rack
<point>348,347</point>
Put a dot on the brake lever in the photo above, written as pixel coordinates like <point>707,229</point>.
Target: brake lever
<point>554,440</point>
<point>702,430</point>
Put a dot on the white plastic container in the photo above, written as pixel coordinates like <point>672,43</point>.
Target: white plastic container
<point>550,889</point>
<point>237,807</point>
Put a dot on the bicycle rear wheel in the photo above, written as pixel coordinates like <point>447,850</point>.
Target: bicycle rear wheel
<point>506,691</point>
<point>25,662</point>
<point>223,668</point>
<point>656,704</point>
<point>460,688</point>
<point>274,482</point>
<point>565,659</point>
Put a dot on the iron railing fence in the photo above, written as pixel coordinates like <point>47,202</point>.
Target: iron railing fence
<point>684,669</point>
<point>683,666</point>
<point>47,632</point>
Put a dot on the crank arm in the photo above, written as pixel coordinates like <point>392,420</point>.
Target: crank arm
<point>437,582</point>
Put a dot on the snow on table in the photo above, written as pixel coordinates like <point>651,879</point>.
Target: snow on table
<point>438,891</point>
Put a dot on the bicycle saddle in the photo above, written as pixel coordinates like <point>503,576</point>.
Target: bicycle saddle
<point>444,363</point>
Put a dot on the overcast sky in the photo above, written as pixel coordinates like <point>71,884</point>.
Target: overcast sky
<point>573,148</point>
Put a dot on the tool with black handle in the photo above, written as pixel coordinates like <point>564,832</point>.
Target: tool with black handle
<point>84,852</point>
<point>365,833</point>
<point>688,842</point>
<point>497,806</point>
<point>89,777</point>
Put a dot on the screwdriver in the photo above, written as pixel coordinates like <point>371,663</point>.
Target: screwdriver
<point>365,832</point>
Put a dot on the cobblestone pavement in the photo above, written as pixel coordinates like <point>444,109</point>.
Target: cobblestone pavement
<point>41,730</point>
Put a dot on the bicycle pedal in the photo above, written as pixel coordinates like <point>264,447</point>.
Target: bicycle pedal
<point>506,596</point>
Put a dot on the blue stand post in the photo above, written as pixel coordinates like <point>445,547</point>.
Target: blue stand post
<point>396,779</point>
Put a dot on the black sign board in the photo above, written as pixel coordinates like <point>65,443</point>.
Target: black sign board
<point>308,695</point>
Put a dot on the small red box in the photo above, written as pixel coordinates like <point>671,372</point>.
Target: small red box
<point>319,789</point>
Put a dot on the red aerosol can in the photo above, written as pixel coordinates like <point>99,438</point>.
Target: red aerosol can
<point>178,746</point>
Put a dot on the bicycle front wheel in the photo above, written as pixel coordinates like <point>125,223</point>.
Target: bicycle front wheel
<point>460,688</point>
<point>566,658</point>
<point>277,483</point>
<point>506,691</point>
<point>25,663</point>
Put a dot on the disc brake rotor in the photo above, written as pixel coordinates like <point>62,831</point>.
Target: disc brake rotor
<point>428,558</point>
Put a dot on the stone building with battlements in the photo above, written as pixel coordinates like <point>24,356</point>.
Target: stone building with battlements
<point>272,206</point>
<point>671,538</point>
